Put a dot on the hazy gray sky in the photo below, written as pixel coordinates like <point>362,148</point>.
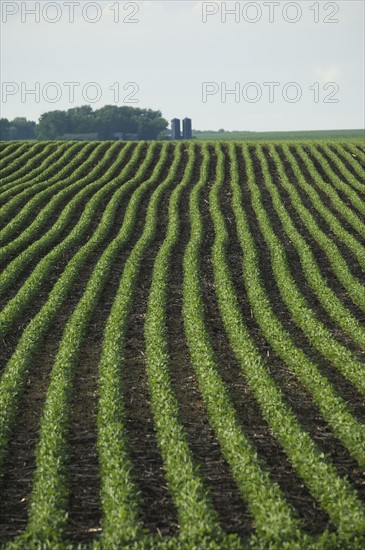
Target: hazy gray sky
<point>289,65</point>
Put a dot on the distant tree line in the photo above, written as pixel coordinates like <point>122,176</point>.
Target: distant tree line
<point>107,122</point>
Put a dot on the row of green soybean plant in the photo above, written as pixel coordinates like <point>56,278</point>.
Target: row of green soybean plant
<point>191,502</point>
<point>318,334</point>
<point>354,161</point>
<point>198,521</point>
<point>56,161</point>
<point>327,298</point>
<point>349,171</point>
<point>21,182</point>
<point>67,190</point>
<point>10,152</point>
<point>48,507</point>
<point>357,152</point>
<point>36,162</point>
<point>336,184</point>
<point>333,409</point>
<point>26,150</point>
<point>14,375</point>
<point>33,159</point>
<point>197,518</point>
<point>313,225</point>
<point>45,184</point>
<point>274,519</point>
<point>44,250</point>
<point>333,221</point>
<point>334,493</point>
<point>158,360</point>
<point>9,149</point>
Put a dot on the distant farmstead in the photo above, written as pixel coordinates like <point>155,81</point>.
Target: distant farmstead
<point>91,136</point>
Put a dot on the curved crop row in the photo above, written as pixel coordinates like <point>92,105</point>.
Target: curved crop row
<point>118,493</point>
<point>75,208</point>
<point>351,155</point>
<point>22,154</point>
<point>25,165</point>
<point>339,265</point>
<point>69,162</point>
<point>8,151</point>
<point>195,512</point>
<point>334,223</point>
<point>55,164</point>
<point>50,490</point>
<point>346,188</point>
<point>334,493</point>
<point>98,190</point>
<point>15,307</point>
<point>333,408</point>
<point>352,180</point>
<point>334,307</point>
<point>58,193</point>
<point>303,315</point>
<point>15,187</point>
<point>12,381</point>
<point>274,518</point>
<point>71,208</point>
<point>358,151</point>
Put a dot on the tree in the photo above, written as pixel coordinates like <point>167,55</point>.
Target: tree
<point>109,120</point>
<point>52,125</point>
<point>151,128</point>
<point>81,120</point>
<point>4,129</point>
<point>20,128</point>
<point>106,122</point>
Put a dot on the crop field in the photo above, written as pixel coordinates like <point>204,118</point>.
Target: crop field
<point>182,345</point>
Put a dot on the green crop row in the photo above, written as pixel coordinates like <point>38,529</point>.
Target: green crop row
<point>358,152</point>
<point>75,189</point>
<point>47,184</point>
<point>346,173</point>
<point>12,189</point>
<point>352,155</point>
<point>301,312</point>
<point>32,162</point>
<point>274,518</point>
<point>333,409</point>
<point>12,381</point>
<point>19,148</point>
<point>48,511</point>
<point>345,188</point>
<point>19,191</point>
<point>326,296</point>
<point>196,516</point>
<point>119,495</point>
<point>334,493</point>
<point>9,151</point>
<point>334,223</point>
<point>15,307</point>
<point>330,249</point>
<point>25,155</point>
